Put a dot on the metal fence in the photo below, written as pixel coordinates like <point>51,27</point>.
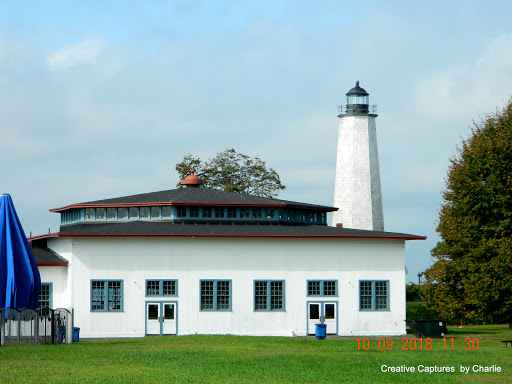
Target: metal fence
<point>30,326</point>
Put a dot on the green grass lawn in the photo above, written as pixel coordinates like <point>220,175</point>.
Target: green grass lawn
<point>235,359</point>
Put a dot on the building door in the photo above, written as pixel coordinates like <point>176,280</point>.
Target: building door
<point>160,318</point>
<point>322,310</point>
<point>168,319</point>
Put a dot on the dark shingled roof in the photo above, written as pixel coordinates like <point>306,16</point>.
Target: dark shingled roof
<point>196,196</point>
<point>357,90</point>
<point>149,228</point>
<point>46,257</point>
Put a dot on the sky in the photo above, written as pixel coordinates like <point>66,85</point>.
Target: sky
<point>101,99</point>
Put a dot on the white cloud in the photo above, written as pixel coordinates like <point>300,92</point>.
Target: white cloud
<point>85,52</point>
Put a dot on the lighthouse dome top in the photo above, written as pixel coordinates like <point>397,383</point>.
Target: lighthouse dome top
<point>357,91</point>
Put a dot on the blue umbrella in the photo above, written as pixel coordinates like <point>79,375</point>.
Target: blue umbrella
<point>19,277</point>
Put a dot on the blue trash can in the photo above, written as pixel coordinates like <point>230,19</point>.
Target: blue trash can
<point>76,334</point>
<point>320,331</point>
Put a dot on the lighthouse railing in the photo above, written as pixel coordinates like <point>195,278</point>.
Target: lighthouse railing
<point>343,109</point>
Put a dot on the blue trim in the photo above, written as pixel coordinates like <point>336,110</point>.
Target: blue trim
<point>106,295</point>
<point>215,285</point>
<point>161,287</point>
<point>322,288</point>
<point>269,296</point>
<point>50,294</point>
<point>161,303</point>
<point>374,295</point>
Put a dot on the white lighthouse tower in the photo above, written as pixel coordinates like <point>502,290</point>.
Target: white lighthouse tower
<point>357,191</point>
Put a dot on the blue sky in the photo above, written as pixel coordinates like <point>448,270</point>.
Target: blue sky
<point>101,99</point>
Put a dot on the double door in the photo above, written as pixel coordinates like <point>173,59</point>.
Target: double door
<point>323,311</point>
<point>161,318</point>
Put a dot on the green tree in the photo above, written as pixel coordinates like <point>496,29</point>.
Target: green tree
<point>472,274</point>
<point>412,292</point>
<point>233,172</point>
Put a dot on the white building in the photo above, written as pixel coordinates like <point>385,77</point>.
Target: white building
<point>198,260</point>
<point>203,261</point>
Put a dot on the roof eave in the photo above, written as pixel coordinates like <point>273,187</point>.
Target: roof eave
<point>387,237</point>
<point>116,205</point>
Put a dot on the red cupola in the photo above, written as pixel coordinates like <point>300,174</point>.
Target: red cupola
<point>191,181</point>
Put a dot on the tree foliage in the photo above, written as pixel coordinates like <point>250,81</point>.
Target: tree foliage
<point>412,292</point>
<point>472,275</point>
<point>233,172</point>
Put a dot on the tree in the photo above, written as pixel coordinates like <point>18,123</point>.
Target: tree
<point>412,292</point>
<point>233,172</point>
<point>472,275</point>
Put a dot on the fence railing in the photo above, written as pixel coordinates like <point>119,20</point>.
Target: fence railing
<point>31,326</point>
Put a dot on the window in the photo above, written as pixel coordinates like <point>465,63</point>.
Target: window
<point>232,213</point>
<point>207,212</point>
<point>269,213</point>
<point>111,213</point>
<point>100,213</point>
<point>219,212</point>
<point>106,295</point>
<point>215,295</point>
<point>89,213</point>
<point>144,212</point>
<point>323,288</point>
<point>373,295</point>
<point>194,211</point>
<point>181,212</point>
<point>121,213</point>
<point>244,213</point>
<point>268,295</point>
<point>45,295</point>
<point>256,213</point>
<point>166,211</point>
<point>161,287</point>
<point>155,212</point>
<point>133,212</point>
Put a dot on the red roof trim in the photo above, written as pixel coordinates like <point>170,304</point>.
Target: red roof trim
<point>250,236</point>
<point>52,264</point>
<point>43,236</point>
<point>317,208</point>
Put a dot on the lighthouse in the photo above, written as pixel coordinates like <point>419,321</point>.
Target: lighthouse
<point>357,190</point>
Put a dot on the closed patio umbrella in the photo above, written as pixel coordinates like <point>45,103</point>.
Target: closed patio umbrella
<point>19,276</point>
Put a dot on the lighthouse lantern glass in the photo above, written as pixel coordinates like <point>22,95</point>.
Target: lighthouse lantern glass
<point>357,99</point>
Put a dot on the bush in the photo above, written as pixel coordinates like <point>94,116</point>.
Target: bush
<point>417,310</point>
